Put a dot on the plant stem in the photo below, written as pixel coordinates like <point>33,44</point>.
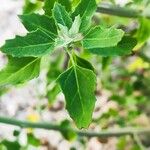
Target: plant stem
<point>139,143</point>
<point>71,57</point>
<point>56,127</point>
<point>120,11</point>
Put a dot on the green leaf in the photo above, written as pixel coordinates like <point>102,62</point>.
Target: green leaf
<point>75,26</point>
<point>55,68</point>
<point>2,147</point>
<point>61,16</point>
<point>75,3</point>
<point>33,22</point>
<point>143,33</point>
<point>78,85</point>
<point>19,70</point>
<point>83,63</point>
<point>124,47</point>
<point>69,134</point>
<point>30,7</point>
<point>67,36</point>
<point>32,140</point>
<point>102,37</point>
<point>52,88</point>
<point>52,93</point>
<point>11,145</point>
<point>86,9</point>
<point>35,44</point>
<point>49,4</point>
<point>66,4</point>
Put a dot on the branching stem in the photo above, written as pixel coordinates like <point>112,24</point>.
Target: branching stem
<point>57,127</point>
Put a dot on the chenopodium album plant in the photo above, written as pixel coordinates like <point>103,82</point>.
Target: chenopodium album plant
<point>63,28</point>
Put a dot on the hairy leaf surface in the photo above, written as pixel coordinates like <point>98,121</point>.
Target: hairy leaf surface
<point>33,22</point>
<point>86,9</point>
<point>83,63</point>
<point>36,44</point>
<point>61,16</point>
<point>102,37</point>
<point>124,47</point>
<point>49,4</point>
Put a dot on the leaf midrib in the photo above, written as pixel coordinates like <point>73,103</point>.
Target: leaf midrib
<point>30,46</point>
<point>100,38</point>
<point>59,11</point>
<point>76,77</point>
<point>86,9</point>
<point>45,31</point>
<point>78,88</point>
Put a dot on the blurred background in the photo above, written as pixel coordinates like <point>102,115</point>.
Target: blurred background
<point>123,88</point>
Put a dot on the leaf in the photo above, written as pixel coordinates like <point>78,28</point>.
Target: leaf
<point>55,68</point>
<point>33,22</point>
<point>52,88</point>
<point>75,26</point>
<point>67,36</point>
<point>69,134</point>
<point>102,37</point>
<point>143,33</point>
<point>49,4</point>
<point>75,3</point>
<point>32,140</point>
<point>86,9</point>
<point>35,44</point>
<point>30,7</point>
<point>61,16</point>
<point>66,4</point>
<point>19,70</point>
<point>78,85</point>
<point>11,145</point>
<point>124,47</point>
<point>83,63</point>
<point>52,93</point>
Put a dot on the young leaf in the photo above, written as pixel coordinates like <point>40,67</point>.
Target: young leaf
<point>33,22</point>
<point>86,9</point>
<point>61,16</point>
<point>49,4</point>
<point>102,37</point>
<point>35,44</point>
<point>83,63</point>
<point>124,47</point>
<point>19,70</point>
<point>66,36</point>
<point>75,26</point>
<point>78,85</point>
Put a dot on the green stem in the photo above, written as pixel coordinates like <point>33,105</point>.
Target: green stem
<point>120,11</point>
<point>71,57</point>
<point>56,127</point>
<point>139,143</point>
